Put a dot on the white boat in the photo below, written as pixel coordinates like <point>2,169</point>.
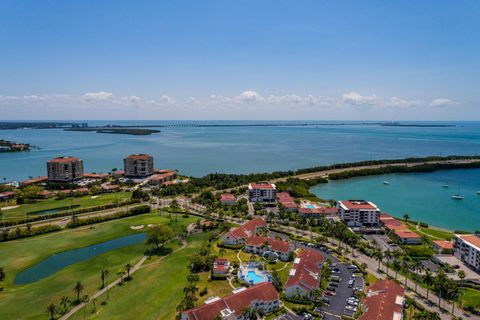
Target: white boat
<point>478,192</point>
<point>457,197</point>
<point>386,182</point>
<point>445,185</point>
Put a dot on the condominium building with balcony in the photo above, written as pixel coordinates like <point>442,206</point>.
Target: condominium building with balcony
<point>359,213</point>
<point>64,169</point>
<point>262,192</point>
<point>138,166</point>
<point>466,247</point>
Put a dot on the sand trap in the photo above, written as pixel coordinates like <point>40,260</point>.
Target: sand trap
<point>137,227</point>
<point>9,208</point>
<point>151,225</point>
<point>93,197</point>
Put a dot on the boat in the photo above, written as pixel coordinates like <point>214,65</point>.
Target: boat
<point>478,192</point>
<point>457,197</point>
<point>386,182</point>
<point>445,186</point>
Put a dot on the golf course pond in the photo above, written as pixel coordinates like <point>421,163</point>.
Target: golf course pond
<point>58,261</point>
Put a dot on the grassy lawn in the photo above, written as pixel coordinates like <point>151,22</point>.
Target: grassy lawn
<point>20,254</point>
<point>218,288</point>
<point>471,298</point>
<point>432,233</point>
<point>155,291</point>
<point>51,204</point>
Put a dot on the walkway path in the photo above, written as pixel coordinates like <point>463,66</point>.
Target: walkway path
<point>135,268</point>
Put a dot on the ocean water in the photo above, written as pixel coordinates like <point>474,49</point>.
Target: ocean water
<point>421,195</point>
<point>197,151</point>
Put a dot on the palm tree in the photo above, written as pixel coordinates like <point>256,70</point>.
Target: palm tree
<point>378,256</point>
<point>222,252</point>
<point>406,217</point>
<point>406,269</point>
<point>388,256</point>
<point>85,300</point>
<point>428,279</point>
<point>417,267</point>
<point>248,313</point>
<point>128,266</point>
<point>51,310</point>
<point>453,293</point>
<point>103,275</point>
<point>461,275</point>
<point>78,289</point>
<point>63,302</point>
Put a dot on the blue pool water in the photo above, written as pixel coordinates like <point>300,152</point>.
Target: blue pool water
<point>310,206</point>
<point>58,261</point>
<point>252,276</point>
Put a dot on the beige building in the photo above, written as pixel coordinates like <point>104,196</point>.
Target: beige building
<point>138,166</point>
<point>64,169</point>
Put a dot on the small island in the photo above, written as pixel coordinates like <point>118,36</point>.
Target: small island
<point>11,146</point>
<point>117,130</point>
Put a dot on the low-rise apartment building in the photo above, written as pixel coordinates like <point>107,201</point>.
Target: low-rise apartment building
<point>466,247</point>
<point>359,213</point>
<point>399,230</point>
<point>138,166</point>
<point>304,276</point>
<point>237,236</point>
<point>263,298</point>
<point>262,192</point>
<point>64,169</point>
<point>260,245</point>
<point>385,300</point>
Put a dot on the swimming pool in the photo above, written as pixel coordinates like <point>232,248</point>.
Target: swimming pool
<point>310,206</point>
<point>254,277</point>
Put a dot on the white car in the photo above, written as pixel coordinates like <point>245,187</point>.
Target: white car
<point>351,308</point>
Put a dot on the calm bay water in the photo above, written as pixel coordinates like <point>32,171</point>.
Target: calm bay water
<point>200,150</point>
<point>421,195</point>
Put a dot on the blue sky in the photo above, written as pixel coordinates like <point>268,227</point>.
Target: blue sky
<point>356,60</point>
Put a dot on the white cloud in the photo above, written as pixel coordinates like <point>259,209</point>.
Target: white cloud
<point>250,96</point>
<point>101,95</point>
<point>354,98</point>
<point>442,102</point>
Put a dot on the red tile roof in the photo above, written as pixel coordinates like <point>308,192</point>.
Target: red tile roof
<point>34,180</point>
<point>227,197</point>
<point>163,176</point>
<point>247,229</point>
<point>471,238</point>
<point>7,194</point>
<point>306,270</point>
<point>382,301</point>
<point>358,205</point>
<point>406,234</point>
<point>444,244</point>
<point>63,160</point>
<point>235,302</point>
<point>139,156</point>
<point>274,244</point>
<point>262,186</point>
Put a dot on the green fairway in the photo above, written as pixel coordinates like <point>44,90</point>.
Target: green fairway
<point>54,205</point>
<point>20,254</point>
<point>155,291</point>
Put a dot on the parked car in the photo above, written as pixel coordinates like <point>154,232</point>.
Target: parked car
<point>351,308</point>
<point>331,288</point>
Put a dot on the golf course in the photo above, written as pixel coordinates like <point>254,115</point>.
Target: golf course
<point>18,255</point>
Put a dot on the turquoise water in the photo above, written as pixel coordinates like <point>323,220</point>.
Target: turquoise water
<point>421,195</point>
<point>56,262</point>
<point>200,150</point>
<point>310,206</point>
<point>253,277</point>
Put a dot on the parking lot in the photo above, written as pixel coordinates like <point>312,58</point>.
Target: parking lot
<point>343,290</point>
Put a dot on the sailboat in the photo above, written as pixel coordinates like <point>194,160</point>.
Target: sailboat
<point>478,192</point>
<point>445,185</point>
<point>386,182</point>
<point>457,196</point>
